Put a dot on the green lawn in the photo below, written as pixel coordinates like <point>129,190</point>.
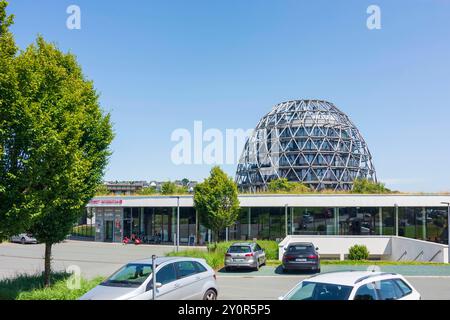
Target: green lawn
<point>31,287</point>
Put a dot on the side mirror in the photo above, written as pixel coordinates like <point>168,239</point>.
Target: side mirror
<point>150,285</point>
<point>284,248</point>
<point>317,248</point>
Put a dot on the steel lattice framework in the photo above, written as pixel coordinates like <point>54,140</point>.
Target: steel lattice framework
<point>309,141</point>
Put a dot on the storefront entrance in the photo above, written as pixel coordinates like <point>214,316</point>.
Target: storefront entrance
<point>109,231</point>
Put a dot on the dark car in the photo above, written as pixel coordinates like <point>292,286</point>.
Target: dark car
<point>301,256</point>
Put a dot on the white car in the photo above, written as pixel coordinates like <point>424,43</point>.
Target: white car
<point>23,238</point>
<point>354,285</point>
<point>177,278</point>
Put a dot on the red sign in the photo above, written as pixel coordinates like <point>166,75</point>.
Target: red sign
<point>106,201</point>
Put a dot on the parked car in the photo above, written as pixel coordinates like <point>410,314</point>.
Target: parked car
<point>244,255</point>
<point>23,238</point>
<point>301,256</point>
<point>177,278</point>
<point>354,285</point>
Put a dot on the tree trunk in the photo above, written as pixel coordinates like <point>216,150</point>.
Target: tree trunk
<point>47,264</point>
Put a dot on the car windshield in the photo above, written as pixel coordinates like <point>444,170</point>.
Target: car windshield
<point>300,249</point>
<point>308,290</point>
<point>239,249</point>
<point>131,275</point>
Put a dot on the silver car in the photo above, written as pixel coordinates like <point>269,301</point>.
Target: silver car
<point>244,255</point>
<point>23,238</point>
<point>177,278</point>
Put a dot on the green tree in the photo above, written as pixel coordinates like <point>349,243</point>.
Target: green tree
<point>101,190</point>
<point>185,182</point>
<point>146,191</point>
<point>282,185</point>
<point>364,186</point>
<point>54,140</point>
<point>168,188</point>
<point>13,136</point>
<point>216,201</point>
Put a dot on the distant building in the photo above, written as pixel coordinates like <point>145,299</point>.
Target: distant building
<point>124,187</point>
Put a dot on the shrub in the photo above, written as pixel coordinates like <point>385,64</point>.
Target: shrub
<point>283,185</point>
<point>358,252</point>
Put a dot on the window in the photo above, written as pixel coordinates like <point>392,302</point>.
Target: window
<point>239,249</point>
<point>403,287</point>
<point>366,292</point>
<point>300,249</point>
<point>319,291</point>
<point>200,267</point>
<point>257,247</point>
<point>166,274</point>
<point>185,269</point>
<point>388,290</point>
<point>131,275</point>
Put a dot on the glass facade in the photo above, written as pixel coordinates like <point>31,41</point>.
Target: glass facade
<point>159,225</point>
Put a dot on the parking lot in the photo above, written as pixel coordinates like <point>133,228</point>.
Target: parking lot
<point>102,259</point>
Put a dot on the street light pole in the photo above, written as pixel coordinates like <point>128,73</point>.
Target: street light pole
<point>448,229</point>
<point>396,219</point>
<point>178,223</point>
<point>154,277</point>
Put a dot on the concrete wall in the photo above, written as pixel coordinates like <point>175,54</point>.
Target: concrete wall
<point>382,247</point>
<point>406,249</point>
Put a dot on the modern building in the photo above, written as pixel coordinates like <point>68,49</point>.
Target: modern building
<point>309,141</point>
<point>154,218</point>
<point>124,187</point>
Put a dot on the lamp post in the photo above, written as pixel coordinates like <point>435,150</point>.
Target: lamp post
<point>178,223</point>
<point>154,277</point>
<point>396,219</point>
<point>448,228</point>
<point>286,219</point>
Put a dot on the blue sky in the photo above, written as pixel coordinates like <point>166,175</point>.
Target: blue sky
<point>161,65</point>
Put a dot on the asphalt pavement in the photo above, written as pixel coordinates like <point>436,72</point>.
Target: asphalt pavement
<point>102,259</point>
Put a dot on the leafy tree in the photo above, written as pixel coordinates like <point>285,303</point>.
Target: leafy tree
<point>282,185</point>
<point>54,140</point>
<point>101,190</point>
<point>364,186</point>
<point>146,191</point>
<point>170,187</point>
<point>13,135</point>
<point>216,201</point>
<point>185,182</point>
<point>70,141</point>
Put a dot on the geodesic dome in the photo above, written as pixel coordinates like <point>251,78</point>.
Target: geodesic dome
<point>309,141</point>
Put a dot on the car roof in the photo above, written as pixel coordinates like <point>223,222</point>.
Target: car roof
<point>243,243</point>
<point>301,244</point>
<point>161,260</point>
<point>351,278</point>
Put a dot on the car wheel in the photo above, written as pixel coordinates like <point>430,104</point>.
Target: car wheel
<point>210,294</point>
<point>22,241</point>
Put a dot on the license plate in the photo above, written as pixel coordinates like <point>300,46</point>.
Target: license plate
<point>300,260</point>
<point>238,260</point>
